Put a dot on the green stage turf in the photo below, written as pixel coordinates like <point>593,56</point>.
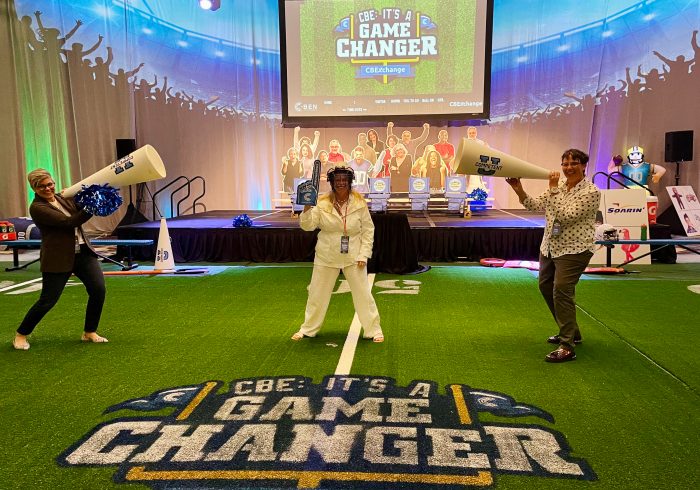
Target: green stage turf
<point>628,405</point>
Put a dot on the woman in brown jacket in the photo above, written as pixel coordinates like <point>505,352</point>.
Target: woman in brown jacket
<point>64,251</point>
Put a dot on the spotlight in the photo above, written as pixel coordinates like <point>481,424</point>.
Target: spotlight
<point>210,4</point>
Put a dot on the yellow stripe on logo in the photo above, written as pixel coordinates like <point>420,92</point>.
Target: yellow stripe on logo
<point>310,479</point>
<point>461,405</point>
<point>196,401</point>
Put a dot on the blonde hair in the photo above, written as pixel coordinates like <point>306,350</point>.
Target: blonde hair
<point>36,176</point>
<point>397,147</point>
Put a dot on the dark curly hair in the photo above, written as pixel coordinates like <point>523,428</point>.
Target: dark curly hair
<point>575,155</point>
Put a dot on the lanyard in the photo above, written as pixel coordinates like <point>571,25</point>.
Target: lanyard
<point>343,216</point>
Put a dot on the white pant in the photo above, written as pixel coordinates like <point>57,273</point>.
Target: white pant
<point>320,290</point>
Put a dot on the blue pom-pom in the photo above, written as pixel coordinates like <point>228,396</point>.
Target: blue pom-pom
<point>242,221</point>
<point>478,194</point>
<point>98,200</point>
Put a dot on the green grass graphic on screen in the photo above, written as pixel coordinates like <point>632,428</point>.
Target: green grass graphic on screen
<point>323,74</point>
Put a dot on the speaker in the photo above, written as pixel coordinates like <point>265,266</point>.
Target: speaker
<point>125,146</point>
<point>679,146</point>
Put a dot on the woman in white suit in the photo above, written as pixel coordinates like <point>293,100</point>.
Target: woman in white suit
<point>344,243</point>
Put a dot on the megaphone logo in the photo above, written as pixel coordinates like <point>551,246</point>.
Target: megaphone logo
<point>124,164</point>
<point>483,167</point>
<point>162,255</point>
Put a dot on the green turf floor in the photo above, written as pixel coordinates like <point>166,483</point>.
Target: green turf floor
<point>629,405</point>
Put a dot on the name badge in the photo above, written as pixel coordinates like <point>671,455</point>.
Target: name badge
<point>556,228</point>
<point>344,244</point>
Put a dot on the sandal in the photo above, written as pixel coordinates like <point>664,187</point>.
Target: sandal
<point>298,336</point>
<point>96,339</point>
<point>378,338</point>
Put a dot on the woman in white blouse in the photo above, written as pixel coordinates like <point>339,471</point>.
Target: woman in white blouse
<point>344,243</point>
<point>567,246</point>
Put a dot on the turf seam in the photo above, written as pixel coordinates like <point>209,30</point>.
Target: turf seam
<point>640,352</point>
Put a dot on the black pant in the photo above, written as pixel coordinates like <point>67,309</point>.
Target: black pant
<point>557,280</point>
<point>88,270</point>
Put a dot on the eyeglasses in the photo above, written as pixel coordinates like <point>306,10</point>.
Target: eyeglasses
<point>46,186</point>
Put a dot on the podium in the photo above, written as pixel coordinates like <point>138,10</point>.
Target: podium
<point>419,193</point>
<point>379,193</point>
<point>456,192</point>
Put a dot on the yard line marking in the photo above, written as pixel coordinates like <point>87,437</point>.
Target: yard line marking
<point>428,218</point>
<point>348,354</point>
<point>15,286</point>
<point>263,215</point>
<point>520,217</point>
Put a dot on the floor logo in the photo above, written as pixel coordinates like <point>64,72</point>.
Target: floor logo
<point>348,431</point>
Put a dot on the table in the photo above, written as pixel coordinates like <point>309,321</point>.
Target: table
<point>15,245</point>
<point>661,243</point>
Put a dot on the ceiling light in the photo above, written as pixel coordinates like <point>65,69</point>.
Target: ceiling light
<point>210,4</point>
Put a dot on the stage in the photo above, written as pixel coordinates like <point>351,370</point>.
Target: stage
<point>402,238</point>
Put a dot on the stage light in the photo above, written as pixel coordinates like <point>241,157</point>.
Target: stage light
<point>210,4</point>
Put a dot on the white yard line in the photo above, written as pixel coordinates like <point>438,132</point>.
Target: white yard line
<point>519,217</point>
<point>429,219</point>
<point>348,354</point>
<point>15,286</point>
<point>268,214</point>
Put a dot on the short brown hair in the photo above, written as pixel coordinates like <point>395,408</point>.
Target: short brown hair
<point>36,176</point>
<point>575,155</point>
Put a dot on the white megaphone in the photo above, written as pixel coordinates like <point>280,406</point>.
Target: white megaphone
<point>473,158</point>
<point>142,165</point>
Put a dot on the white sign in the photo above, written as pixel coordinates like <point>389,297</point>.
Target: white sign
<point>624,207</point>
<point>687,207</point>
<point>626,210</point>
